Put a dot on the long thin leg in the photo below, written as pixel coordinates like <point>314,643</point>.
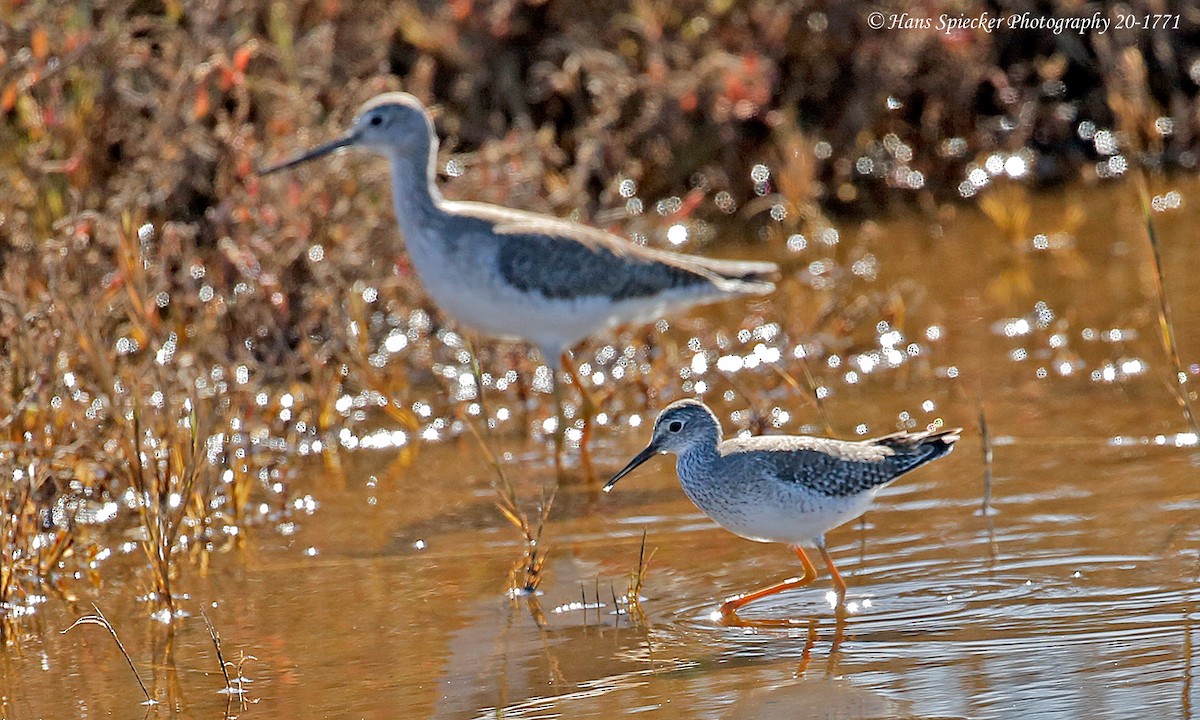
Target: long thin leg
<point>809,643</point>
<point>587,409</point>
<point>559,423</point>
<point>733,604</point>
<point>838,583</point>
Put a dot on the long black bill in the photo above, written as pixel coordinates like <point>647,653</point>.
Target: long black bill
<point>320,150</point>
<point>638,459</point>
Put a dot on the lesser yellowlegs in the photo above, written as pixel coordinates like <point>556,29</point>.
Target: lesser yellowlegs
<point>519,275</point>
<point>782,488</point>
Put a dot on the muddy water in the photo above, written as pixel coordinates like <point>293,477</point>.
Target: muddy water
<point>1074,597</point>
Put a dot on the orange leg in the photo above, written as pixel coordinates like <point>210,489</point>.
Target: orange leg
<point>838,582</point>
<point>587,408</point>
<point>806,653</point>
<point>733,604</point>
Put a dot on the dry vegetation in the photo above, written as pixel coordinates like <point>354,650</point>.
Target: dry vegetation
<point>173,329</point>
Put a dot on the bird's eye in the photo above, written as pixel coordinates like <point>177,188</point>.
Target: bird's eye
<point>376,120</point>
<point>675,426</point>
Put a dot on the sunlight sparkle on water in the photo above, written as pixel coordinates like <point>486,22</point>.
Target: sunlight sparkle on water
<point>1170,201</point>
<point>1012,327</point>
<point>1015,166</point>
<point>543,379</point>
<point>576,606</point>
<point>1178,440</point>
<point>383,439</point>
<point>729,363</point>
<point>395,342</point>
<point>677,234</point>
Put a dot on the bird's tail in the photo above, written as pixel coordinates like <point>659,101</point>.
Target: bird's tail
<point>747,276</point>
<point>912,450</point>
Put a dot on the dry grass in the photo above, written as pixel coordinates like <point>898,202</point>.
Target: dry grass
<point>235,687</point>
<point>1166,325</point>
<point>1139,114</point>
<point>637,581</point>
<point>526,573</point>
<point>99,619</point>
<point>117,408</point>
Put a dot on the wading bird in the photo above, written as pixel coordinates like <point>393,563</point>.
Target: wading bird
<point>782,488</point>
<point>512,274</point>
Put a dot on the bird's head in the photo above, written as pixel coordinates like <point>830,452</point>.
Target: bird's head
<point>682,425</point>
<point>391,122</point>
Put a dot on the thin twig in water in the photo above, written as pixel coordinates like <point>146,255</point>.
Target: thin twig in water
<point>216,641</point>
<point>1166,326</point>
<point>233,686</point>
<point>506,500</point>
<point>985,437</point>
<point>99,619</point>
<point>583,601</point>
<point>239,668</point>
<point>637,580</point>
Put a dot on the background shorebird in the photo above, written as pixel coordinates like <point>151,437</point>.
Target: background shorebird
<point>518,275</point>
<point>782,488</point>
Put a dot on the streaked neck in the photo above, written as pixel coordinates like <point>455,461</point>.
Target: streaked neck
<point>415,196</point>
<point>699,456</point>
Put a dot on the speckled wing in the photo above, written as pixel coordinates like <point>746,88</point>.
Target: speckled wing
<point>561,269</point>
<point>838,468</point>
<point>564,260</point>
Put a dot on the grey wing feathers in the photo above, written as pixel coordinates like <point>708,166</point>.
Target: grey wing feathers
<point>533,240</point>
<point>840,468</point>
<point>561,269</point>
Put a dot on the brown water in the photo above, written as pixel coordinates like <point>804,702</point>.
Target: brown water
<point>1075,597</point>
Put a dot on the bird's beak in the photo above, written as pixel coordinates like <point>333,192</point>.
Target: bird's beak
<point>640,458</point>
<point>344,141</point>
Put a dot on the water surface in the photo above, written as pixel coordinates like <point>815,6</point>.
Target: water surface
<point>1074,597</point>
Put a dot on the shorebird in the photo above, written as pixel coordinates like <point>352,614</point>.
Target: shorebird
<point>511,274</point>
<point>782,488</point>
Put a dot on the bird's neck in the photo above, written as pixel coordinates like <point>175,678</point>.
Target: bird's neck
<point>697,457</point>
<point>416,197</point>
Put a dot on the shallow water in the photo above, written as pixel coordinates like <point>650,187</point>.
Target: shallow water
<point>1074,597</point>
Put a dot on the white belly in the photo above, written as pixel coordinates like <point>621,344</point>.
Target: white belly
<point>800,520</point>
<point>471,290</point>
<point>552,324</point>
